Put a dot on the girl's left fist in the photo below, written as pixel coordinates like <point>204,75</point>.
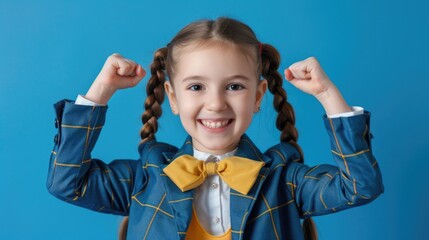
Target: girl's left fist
<point>308,76</point>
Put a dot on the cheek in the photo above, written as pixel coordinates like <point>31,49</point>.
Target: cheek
<point>245,107</point>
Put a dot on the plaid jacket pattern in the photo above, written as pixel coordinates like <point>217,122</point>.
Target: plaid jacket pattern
<point>285,191</point>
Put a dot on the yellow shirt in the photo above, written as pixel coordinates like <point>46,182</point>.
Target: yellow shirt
<point>197,232</point>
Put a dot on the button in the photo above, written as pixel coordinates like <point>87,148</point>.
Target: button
<point>217,220</point>
<point>215,185</point>
<point>56,123</point>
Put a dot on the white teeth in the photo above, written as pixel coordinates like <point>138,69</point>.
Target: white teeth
<point>214,124</point>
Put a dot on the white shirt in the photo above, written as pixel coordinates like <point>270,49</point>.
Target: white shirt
<point>212,198</point>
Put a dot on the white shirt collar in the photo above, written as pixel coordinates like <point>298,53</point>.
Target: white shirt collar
<point>204,156</point>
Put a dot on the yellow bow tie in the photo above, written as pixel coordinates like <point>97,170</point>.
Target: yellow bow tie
<point>239,173</point>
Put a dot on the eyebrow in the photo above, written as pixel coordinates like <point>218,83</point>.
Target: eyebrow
<point>202,78</point>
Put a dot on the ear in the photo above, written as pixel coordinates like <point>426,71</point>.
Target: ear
<point>171,97</point>
<point>260,91</point>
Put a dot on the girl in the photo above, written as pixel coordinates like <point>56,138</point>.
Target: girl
<point>218,185</point>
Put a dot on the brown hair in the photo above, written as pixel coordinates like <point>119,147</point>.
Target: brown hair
<point>230,31</point>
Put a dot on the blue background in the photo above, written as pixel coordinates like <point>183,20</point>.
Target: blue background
<point>375,51</point>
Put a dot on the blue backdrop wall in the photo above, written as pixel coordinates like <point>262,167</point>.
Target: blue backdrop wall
<point>375,51</point>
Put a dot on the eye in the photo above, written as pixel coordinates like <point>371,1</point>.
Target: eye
<point>195,87</point>
<point>235,87</point>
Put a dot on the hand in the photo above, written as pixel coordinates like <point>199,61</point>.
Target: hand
<point>309,77</point>
<point>117,73</point>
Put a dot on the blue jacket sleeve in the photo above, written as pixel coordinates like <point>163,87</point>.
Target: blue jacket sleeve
<point>356,179</point>
<point>75,177</point>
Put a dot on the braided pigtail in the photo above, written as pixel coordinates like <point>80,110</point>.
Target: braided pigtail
<point>155,96</point>
<point>285,122</point>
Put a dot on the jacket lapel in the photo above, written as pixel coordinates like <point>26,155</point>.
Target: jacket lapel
<point>241,205</point>
<point>180,202</point>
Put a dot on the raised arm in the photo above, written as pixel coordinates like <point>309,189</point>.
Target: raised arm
<point>74,176</point>
<point>356,178</point>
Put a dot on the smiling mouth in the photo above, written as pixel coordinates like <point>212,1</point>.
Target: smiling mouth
<point>213,124</point>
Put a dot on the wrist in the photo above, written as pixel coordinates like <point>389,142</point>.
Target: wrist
<point>100,93</point>
<point>332,101</point>
<point>327,94</point>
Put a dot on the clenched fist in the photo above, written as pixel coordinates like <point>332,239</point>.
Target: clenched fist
<point>117,73</point>
<point>309,77</point>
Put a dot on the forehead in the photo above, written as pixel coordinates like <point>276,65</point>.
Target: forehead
<point>214,61</point>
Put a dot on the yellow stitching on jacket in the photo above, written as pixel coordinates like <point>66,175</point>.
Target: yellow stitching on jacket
<point>342,155</point>
<point>180,200</point>
<point>328,175</point>
<point>350,155</point>
<point>80,127</point>
<point>86,161</point>
<point>292,188</point>
<point>150,165</point>
<point>85,185</point>
<point>311,177</point>
<point>321,198</point>
<point>280,165</point>
<point>345,177</point>
<point>87,135</point>
<point>153,217</point>
<point>152,206</point>
<point>242,224</point>
<point>278,153</point>
<point>365,132</point>
<point>66,164</point>
<point>241,195</point>
<point>135,195</point>
<point>307,213</point>
<point>274,208</point>
<point>311,170</point>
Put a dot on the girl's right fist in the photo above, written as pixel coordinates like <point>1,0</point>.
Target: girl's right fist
<point>117,73</point>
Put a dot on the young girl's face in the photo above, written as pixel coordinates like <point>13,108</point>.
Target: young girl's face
<point>216,91</point>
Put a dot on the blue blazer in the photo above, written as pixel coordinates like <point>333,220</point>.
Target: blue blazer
<point>285,191</point>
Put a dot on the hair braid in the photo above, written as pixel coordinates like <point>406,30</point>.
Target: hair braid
<point>155,96</point>
<point>285,122</point>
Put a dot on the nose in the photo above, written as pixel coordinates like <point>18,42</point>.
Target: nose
<point>216,101</point>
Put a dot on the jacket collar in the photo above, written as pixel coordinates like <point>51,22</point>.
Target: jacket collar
<point>240,205</point>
